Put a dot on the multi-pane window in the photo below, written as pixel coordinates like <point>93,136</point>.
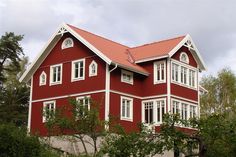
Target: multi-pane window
<point>48,110</point>
<point>83,105</point>
<point>192,111</point>
<point>175,72</point>
<point>159,72</point>
<point>42,79</point>
<point>93,69</point>
<point>175,107</point>
<point>192,78</point>
<point>56,74</point>
<point>160,110</point>
<point>154,111</point>
<point>148,111</point>
<point>126,108</point>
<point>67,43</point>
<point>78,71</point>
<point>184,109</point>
<point>127,77</point>
<point>184,57</point>
<point>183,75</point>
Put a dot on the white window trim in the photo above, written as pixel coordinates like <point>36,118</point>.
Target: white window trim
<point>41,83</point>
<point>155,123</point>
<point>51,74</point>
<point>188,107</point>
<point>64,46</point>
<point>73,69</point>
<point>155,81</point>
<point>90,69</point>
<point>44,106</point>
<point>84,97</point>
<point>127,73</point>
<point>180,57</point>
<point>131,109</point>
<point>180,64</point>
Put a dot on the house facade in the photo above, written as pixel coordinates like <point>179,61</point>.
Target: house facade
<point>138,84</point>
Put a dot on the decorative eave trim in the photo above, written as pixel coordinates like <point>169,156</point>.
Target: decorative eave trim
<point>50,45</point>
<point>151,59</point>
<point>192,49</point>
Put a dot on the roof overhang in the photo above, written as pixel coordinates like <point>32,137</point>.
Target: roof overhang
<point>151,59</point>
<point>64,28</point>
<point>188,42</point>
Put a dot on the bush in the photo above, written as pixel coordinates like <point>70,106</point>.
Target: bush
<point>14,142</point>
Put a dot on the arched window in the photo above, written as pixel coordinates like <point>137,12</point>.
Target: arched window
<point>184,57</point>
<point>93,68</point>
<point>67,43</point>
<point>42,79</point>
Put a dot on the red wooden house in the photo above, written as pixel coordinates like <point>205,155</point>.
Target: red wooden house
<point>137,84</point>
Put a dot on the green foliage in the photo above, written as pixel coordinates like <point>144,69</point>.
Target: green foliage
<point>136,144</point>
<point>10,53</point>
<point>80,122</point>
<point>15,143</point>
<point>221,96</point>
<point>14,97</point>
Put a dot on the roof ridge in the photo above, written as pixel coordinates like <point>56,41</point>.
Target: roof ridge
<point>99,36</point>
<point>157,42</point>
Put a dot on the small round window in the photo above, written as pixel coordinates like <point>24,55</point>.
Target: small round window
<point>67,43</point>
<point>184,57</point>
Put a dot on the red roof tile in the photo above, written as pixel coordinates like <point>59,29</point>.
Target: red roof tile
<point>122,54</point>
<point>156,49</point>
<point>114,51</point>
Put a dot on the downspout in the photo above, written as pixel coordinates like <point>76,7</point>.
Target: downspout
<point>107,92</point>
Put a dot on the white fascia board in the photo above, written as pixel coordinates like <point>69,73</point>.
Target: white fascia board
<point>130,69</point>
<point>151,59</point>
<point>195,51</point>
<point>38,60</point>
<point>90,46</point>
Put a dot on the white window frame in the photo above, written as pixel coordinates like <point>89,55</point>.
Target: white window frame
<point>125,117</point>
<point>123,79</point>
<point>41,81</point>
<point>51,74</point>
<point>73,78</point>
<point>189,68</point>
<point>84,98</point>
<point>181,57</point>
<point>155,105</point>
<point>180,107</point>
<point>155,73</point>
<point>64,43</point>
<point>91,73</point>
<point>44,117</point>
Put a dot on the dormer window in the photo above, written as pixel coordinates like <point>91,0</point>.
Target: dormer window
<point>127,77</point>
<point>184,57</point>
<point>93,69</point>
<point>67,43</point>
<point>42,79</point>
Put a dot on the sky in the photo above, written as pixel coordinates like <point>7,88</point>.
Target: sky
<point>210,23</point>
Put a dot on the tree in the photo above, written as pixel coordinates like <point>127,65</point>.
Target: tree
<point>81,123</point>
<point>14,96</point>
<point>10,53</point>
<point>214,135</point>
<point>119,143</point>
<point>221,96</point>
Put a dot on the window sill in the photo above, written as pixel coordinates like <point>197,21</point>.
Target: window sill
<point>159,82</point>
<point>126,119</point>
<point>131,83</point>
<point>77,79</point>
<point>55,83</point>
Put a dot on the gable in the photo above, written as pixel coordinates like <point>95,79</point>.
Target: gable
<point>192,60</point>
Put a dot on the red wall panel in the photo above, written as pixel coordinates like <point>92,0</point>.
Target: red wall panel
<point>67,87</point>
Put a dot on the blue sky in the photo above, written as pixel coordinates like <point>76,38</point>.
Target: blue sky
<point>211,23</point>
